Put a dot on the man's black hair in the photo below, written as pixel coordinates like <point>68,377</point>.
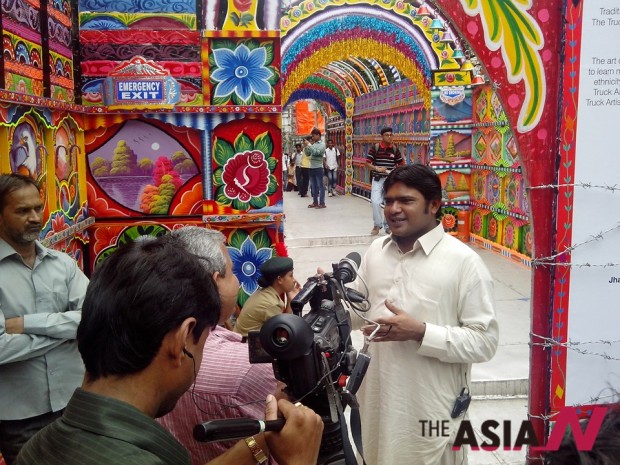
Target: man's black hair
<point>386,129</point>
<point>419,177</point>
<point>10,183</point>
<point>136,296</point>
<point>315,131</point>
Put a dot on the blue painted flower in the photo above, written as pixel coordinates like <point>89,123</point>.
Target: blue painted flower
<point>246,263</point>
<point>242,72</point>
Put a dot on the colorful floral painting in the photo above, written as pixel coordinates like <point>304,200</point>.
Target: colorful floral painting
<point>244,171</point>
<point>449,219</point>
<point>248,252</point>
<point>243,72</point>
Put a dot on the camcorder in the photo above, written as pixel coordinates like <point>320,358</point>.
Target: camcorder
<point>313,354</point>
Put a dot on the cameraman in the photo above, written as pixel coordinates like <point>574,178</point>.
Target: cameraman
<point>433,297</point>
<point>147,313</point>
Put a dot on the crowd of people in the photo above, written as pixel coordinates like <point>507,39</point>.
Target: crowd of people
<point>120,369</point>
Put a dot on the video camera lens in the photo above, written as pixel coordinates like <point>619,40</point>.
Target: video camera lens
<point>286,336</point>
<point>281,337</point>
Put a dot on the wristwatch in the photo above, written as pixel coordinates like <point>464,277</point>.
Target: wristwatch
<point>257,452</point>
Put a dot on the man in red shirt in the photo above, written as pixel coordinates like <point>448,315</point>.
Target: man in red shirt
<point>381,159</point>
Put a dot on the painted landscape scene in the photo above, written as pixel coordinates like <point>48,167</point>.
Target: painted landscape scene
<point>142,168</point>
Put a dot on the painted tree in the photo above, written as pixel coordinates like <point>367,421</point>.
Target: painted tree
<point>437,151</point>
<point>450,183</point>
<point>178,157</point>
<point>161,200</point>
<point>124,160</point>
<point>156,197</point>
<point>164,166</point>
<point>100,167</point>
<point>146,165</point>
<point>450,149</point>
<point>187,166</point>
<point>147,198</point>
<point>463,185</point>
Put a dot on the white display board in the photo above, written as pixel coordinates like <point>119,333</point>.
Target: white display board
<point>593,366</point>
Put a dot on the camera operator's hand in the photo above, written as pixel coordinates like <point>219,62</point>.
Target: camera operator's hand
<point>298,442</point>
<point>400,327</point>
<point>293,292</point>
<point>280,391</point>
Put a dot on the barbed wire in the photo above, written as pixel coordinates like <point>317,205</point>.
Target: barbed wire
<point>585,185</point>
<point>600,399</point>
<point>572,345</point>
<point>551,259</point>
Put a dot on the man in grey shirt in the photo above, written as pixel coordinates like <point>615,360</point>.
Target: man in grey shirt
<point>41,295</point>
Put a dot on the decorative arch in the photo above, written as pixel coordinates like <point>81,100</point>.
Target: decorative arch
<point>364,31</point>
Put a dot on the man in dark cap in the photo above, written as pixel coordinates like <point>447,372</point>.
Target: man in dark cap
<point>278,287</point>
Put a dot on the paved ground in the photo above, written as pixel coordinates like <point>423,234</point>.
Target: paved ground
<point>321,237</point>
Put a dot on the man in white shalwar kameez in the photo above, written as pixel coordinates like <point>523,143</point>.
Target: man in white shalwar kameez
<point>434,298</point>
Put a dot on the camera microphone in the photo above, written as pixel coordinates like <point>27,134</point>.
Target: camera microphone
<point>237,428</point>
<point>346,271</point>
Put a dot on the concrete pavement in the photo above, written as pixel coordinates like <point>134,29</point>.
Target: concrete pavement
<point>320,237</point>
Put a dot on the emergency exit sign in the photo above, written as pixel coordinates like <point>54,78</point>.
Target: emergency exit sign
<point>141,90</point>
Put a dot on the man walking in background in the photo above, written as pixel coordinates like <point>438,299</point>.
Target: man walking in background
<point>296,158</point>
<point>381,159</point>
<point>332,157</point>
<point>315,151</point>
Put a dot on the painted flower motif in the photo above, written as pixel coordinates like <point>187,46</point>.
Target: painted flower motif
<point>285,23</point>
<point>477,224</point>
<point>309,6</point>
<point>242,5</point>
<point>528,242</point>
<point>400,5</point>
<point>37,87</point>
<point>449,221</point>
<point>492,228</point>
<point>21,86</point>
<point>246,263</point>
<point>510,235</point>
<point>296,12</point>
<point>58,223</point>
<point>242,72</point>
<point>246,175</point>
<point>511,193</point>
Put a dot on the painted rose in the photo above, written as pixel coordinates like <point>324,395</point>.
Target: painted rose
<point>246,175</point>
<point>477,224</point>
<point>242,5</point>
<point>492,228</point>
<point>510,235</point>
<point>449,221</point>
